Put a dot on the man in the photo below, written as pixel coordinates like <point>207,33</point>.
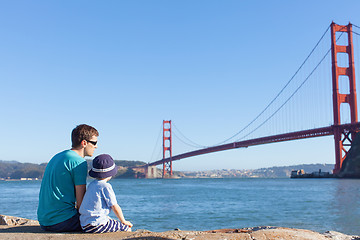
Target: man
<point>64,183</point>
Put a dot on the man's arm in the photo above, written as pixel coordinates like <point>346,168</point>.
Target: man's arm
<point>79,193</point>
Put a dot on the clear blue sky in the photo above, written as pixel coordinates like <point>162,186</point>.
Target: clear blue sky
<point>124,66</point>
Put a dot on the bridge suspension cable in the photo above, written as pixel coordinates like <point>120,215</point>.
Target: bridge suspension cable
<point>354,31</point>
<point>191,144</point>
<point>281,91</point>
<point>287,100</point>
<point>156,146</point>
<point>296,90</point>
<point>196,145</point>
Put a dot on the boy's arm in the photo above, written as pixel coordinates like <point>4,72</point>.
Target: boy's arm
<point>118,212</point>
<point>79,193</point>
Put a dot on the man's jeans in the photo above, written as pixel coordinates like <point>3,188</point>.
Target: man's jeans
<point>70,225</point>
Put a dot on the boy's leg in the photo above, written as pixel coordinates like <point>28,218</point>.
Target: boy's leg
<point>111,226</point>
<point>70,225</point>
<point>116,226</point>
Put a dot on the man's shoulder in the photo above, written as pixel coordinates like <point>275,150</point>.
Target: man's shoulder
<point>67,154</point>
<point>71,156</point>
<point>68,158</point>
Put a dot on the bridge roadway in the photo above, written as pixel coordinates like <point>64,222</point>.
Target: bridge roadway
<point>317,132</point>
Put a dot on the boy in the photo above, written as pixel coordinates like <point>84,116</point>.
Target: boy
<point>100,199</point>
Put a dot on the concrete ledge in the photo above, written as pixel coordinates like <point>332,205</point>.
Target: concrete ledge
<point>30,230</point>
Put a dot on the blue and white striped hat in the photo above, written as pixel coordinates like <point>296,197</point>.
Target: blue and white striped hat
<point>103,167</point>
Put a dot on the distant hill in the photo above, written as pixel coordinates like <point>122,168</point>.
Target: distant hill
<point>18,170</point>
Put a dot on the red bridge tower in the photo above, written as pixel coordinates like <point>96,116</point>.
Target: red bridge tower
<point>343,139</point>
<point>167,148</point>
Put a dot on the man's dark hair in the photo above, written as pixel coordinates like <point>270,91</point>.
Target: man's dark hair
<point>82,132</point>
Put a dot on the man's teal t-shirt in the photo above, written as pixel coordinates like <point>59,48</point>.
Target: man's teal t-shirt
<point>57,193</point>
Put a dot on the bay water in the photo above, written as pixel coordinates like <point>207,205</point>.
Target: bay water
<point>207,204</point>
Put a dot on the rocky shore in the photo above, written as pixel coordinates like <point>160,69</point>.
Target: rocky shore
<point>23,229</point>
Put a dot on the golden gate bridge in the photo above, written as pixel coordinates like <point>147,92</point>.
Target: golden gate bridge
<point>326,89</point>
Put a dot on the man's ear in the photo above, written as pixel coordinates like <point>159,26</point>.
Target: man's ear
<point>84,143</point>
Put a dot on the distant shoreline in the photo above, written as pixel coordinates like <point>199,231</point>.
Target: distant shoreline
<point>21,179</point>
